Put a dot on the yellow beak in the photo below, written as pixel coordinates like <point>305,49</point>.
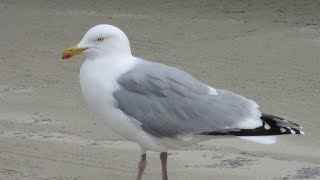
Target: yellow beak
<point>72,51</point>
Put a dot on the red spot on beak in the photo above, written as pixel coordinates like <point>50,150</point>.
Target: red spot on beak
<point>66,56</point>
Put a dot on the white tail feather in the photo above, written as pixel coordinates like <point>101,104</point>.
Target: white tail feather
<point>260,139</point>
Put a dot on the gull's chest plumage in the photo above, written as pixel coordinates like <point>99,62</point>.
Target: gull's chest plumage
<point>98,80</point>
<point>98,83</point>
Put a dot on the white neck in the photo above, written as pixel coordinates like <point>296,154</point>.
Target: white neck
<point>108,66</point>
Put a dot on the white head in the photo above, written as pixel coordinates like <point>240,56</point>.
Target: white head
<point>101,41</point>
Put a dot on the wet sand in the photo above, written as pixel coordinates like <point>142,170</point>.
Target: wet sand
<point>265,50</point>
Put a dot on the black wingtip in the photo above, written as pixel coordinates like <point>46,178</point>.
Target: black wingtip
<point>272,125</point>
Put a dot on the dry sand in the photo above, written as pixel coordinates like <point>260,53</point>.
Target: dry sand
<point>266,50</point>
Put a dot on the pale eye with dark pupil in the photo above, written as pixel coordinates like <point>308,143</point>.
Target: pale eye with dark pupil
<point>100,39</point>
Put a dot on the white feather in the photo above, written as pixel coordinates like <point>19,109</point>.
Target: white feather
<point>260,139</point>
<point>212,91</point>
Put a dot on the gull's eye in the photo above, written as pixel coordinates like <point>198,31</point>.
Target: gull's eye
<point>100,39</point>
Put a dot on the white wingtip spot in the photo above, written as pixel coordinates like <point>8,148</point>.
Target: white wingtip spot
<point>292,131</point>
<point>302,132</point>
<point>267,126</point>
<point>212,91</point>
<point>283,130</point>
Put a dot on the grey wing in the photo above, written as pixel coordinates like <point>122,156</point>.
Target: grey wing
<point>169,102</point>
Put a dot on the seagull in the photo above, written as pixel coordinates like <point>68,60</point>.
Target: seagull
<point>161,107</point>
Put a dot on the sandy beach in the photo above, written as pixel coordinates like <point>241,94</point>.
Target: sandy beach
<point>265,50</point>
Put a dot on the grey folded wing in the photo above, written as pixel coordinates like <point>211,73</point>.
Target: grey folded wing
<point>169,102</point>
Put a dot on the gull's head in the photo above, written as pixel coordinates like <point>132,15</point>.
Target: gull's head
<point>100,41</point>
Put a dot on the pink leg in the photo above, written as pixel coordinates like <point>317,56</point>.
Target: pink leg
<point>141,166</point>
<point>163,158</point>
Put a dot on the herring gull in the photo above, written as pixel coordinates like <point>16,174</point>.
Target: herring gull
<point>161,107</point>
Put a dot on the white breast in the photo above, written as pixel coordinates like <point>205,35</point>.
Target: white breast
<point>98,79</point>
